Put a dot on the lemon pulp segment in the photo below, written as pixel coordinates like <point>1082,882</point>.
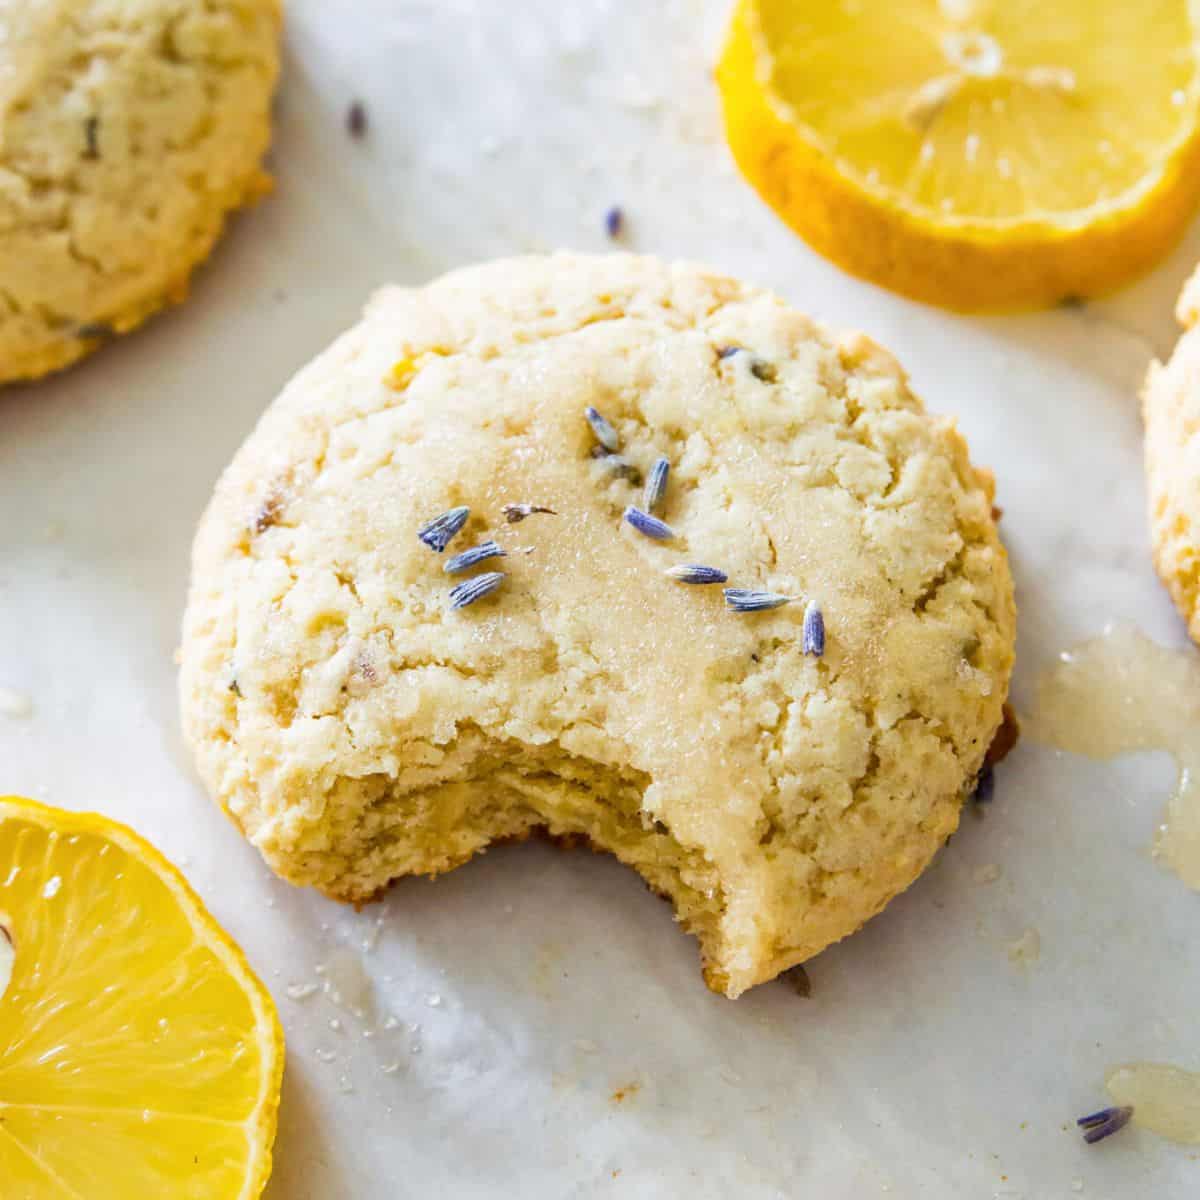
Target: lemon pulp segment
<point>139,1055</point>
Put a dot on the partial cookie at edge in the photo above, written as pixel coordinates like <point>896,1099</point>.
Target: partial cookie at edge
<point>1171,413</point>
<point>127,134</point>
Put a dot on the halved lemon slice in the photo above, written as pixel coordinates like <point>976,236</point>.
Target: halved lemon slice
<point>139,1055</point>
<point>971,153</point>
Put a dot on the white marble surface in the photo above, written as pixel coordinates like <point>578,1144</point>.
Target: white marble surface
<point>925,1064</point>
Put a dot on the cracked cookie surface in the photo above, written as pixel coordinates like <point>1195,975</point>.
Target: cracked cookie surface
<point>1171,412</point>
<point>128,131</point>
<point>359,730</point>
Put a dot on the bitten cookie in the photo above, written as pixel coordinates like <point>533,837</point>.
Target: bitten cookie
<point>128,130</point>
<point>1171,411</point>
<point>778,786</point>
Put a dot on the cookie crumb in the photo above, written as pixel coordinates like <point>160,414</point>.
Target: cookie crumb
<point>1025,950</point>
<point>15,705</point>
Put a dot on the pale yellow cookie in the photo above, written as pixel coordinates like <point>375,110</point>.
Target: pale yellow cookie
<point>359,729</point>
<point>1171,410</point>
<point>128,130</point>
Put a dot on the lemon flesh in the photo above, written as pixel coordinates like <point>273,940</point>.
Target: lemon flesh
<point>139,1055</point>
<point>920,140</point>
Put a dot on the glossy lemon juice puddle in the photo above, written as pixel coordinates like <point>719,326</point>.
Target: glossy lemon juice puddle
<point>1121,693</point>
<point>1165,1099</point>
<point>1117,694</point>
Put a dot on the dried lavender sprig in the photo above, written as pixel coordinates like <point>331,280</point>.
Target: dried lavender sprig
<point>606,435</point>
<point>695,573</point>
<point>728,351</point>
<point>1099,1125</point>
<point>614,219</point>
<point>518,512</point>
<point>656,484</point>
<point>471,590</point>
<point>754,600</point>
<point>438,533</point>
<point>652,527</point>
<point>476,554</point>
<point>813,635</point>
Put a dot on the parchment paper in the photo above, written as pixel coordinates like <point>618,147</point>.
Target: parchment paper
<point>565,1045</point>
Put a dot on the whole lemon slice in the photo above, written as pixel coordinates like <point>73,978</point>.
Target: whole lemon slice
<point>971,153</point>
<point>139,1055</point>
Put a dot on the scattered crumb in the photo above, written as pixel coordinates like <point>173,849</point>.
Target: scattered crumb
<point>1026,949</point>
<point>626,1091</point>
<point>988,873</point>
<point>15,705</point>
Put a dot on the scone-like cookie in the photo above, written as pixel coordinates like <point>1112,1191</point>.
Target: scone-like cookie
<point>1171,411</point>
<point>358,728</point>
<point>128,130</point>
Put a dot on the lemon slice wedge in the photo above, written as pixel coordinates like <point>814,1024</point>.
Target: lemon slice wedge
<point>139,1055</point>
<point>975,154</point>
